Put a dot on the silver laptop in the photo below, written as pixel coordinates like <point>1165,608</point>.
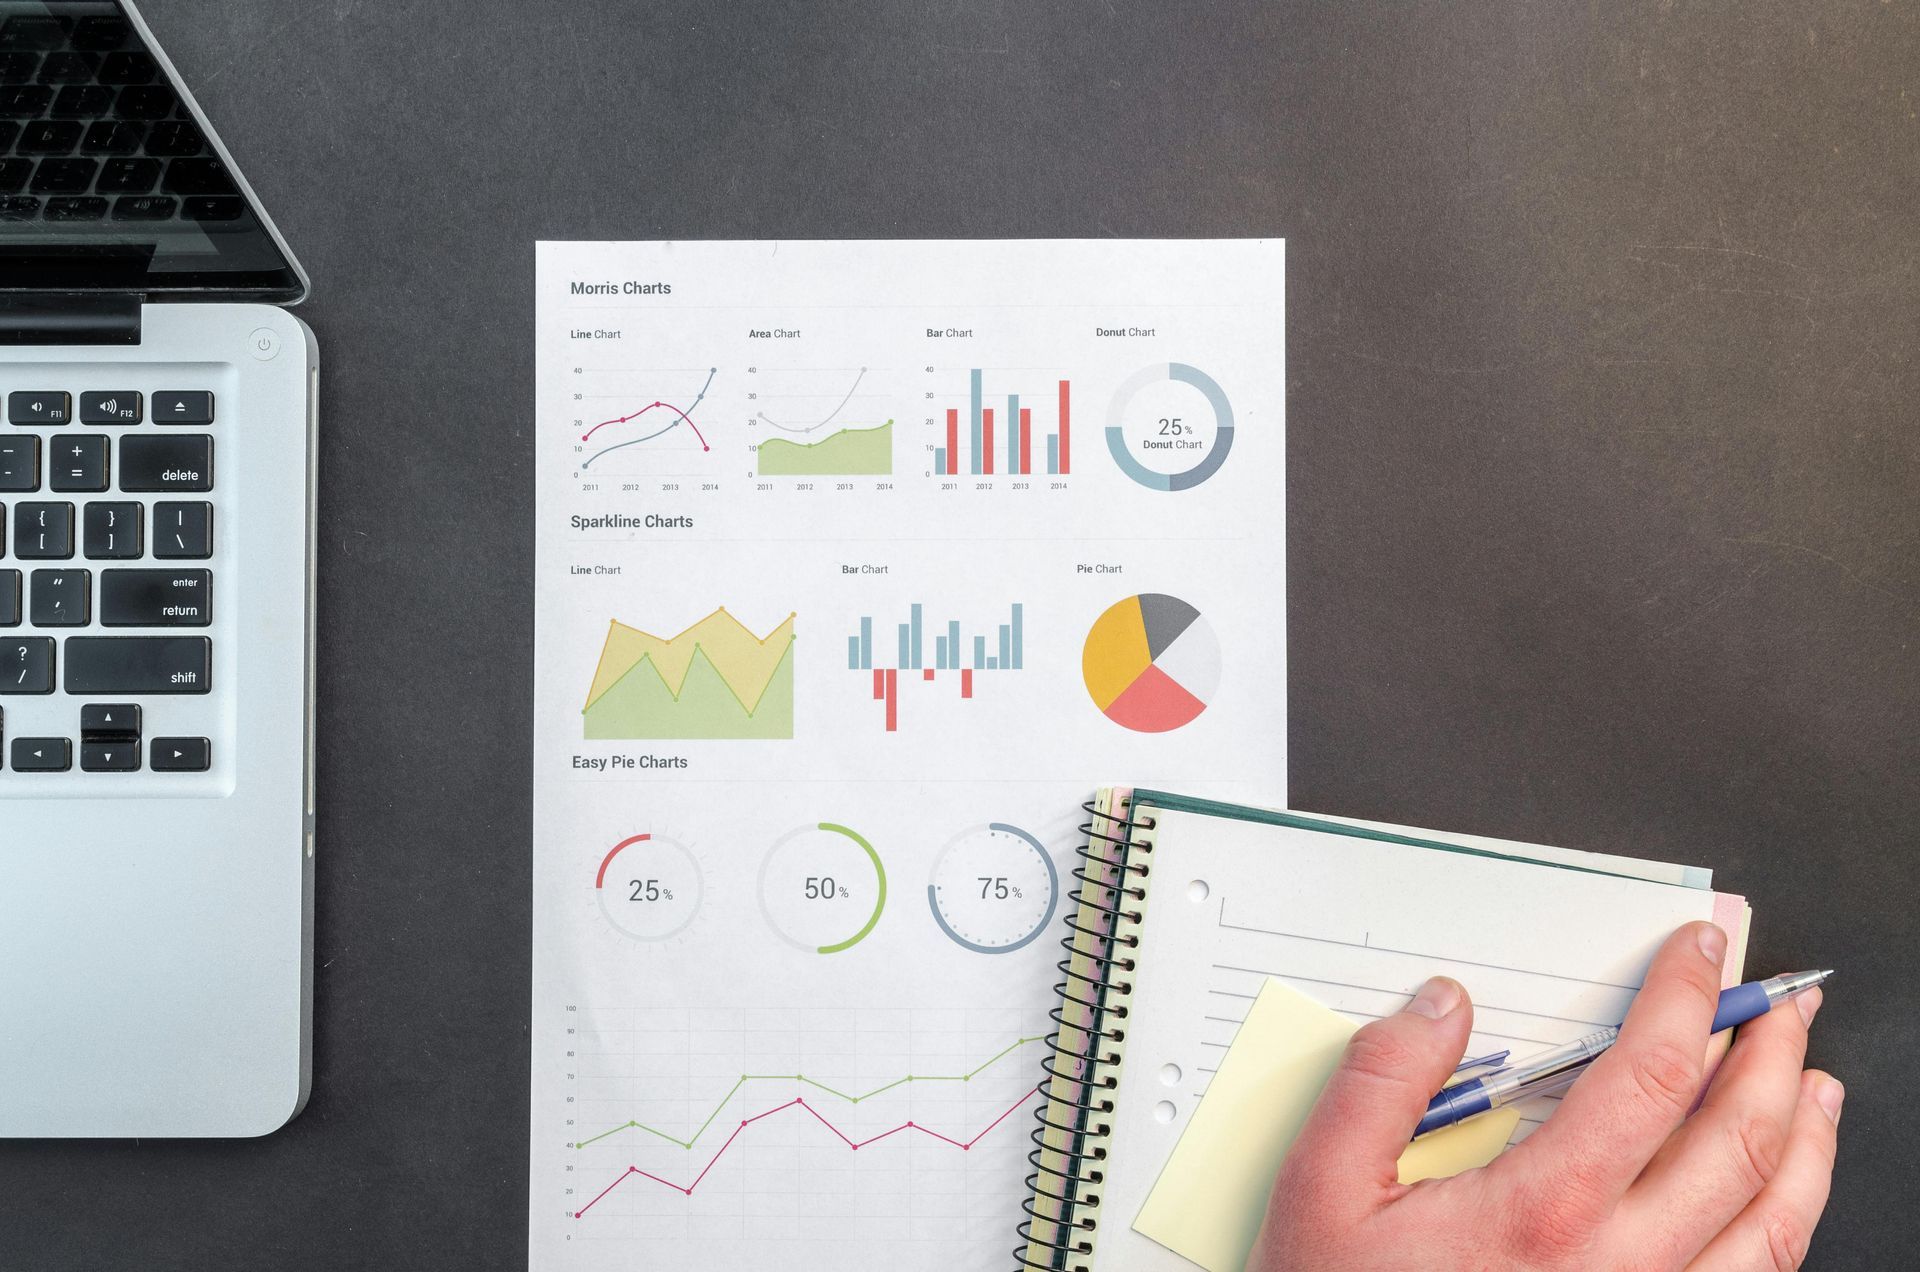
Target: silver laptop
<point>156,605</point>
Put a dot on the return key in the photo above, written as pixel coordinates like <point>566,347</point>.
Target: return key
<point>156,598</point>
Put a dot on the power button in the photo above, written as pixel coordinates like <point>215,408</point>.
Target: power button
<point>264,343</point>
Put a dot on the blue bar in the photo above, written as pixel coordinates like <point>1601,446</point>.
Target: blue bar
<point>940,653</point>
<point>1053,454</point>
<point>976,420</point>
<point>953,643</point>
<point>1006,645</point>
<point>1013,432</point>
<point>866,644</point>
<point>1018,642</point>
<point>853,653</point>
<point>990,665</point>
<point>940,460</point>
<point>917,646</point>
<point>979,651</point>
<point>905,632</point>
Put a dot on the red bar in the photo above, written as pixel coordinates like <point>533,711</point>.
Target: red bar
<point>953,442</point>
<point>986,440</point>
<point>1026,441</point>
<point>879,684</point>
<point>893,701</point>
<point>928,675</point>
<point>1064,434</point>
<point>966,682</point>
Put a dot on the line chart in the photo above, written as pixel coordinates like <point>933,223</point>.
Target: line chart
<point>800,1102</point>
<point>745,1078</point>
<point>682,416</point>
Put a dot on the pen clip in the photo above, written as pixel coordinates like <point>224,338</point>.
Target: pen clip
<point>1496,1060</point>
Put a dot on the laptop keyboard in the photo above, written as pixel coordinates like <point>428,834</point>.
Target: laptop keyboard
<point>91,131</point>
<point>107,549</point>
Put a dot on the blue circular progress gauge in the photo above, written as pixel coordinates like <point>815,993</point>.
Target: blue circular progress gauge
<point>993,888</point>
<point>1157,436</point>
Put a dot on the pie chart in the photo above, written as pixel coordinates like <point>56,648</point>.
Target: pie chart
<point>1151,663</point>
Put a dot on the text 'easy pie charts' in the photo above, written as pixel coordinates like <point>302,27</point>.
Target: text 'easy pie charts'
<point>1151,663</point>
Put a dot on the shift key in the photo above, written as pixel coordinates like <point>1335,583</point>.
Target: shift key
<point>166,463</point>
<point>100,665</point>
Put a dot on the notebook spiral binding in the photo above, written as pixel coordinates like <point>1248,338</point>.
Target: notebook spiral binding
<point>1084,1049</point>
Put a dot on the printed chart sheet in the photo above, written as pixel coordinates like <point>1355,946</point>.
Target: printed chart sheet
<point>860,565</point>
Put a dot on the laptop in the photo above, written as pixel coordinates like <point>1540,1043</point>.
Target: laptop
<point>156,604</point>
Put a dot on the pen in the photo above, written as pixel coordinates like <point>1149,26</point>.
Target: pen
<point>1554,1071</point>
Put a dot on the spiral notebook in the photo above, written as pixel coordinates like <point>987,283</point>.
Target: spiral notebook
<point>1186,909</point>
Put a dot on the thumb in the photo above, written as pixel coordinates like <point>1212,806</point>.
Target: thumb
<point>1391,1068</point>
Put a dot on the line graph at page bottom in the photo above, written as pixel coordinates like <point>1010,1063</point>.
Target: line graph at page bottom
<point>692,1129</point>
<point>800,1102</point>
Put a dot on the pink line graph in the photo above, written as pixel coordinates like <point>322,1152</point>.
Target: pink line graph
<point>684,417</point>
<point>800,1102</point>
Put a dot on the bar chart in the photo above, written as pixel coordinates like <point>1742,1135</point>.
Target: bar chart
<point>1003,440</point>
<point>958,652</point>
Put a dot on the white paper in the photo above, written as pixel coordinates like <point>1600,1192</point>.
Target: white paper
<point>1547,954</point>
<point>680,993</point>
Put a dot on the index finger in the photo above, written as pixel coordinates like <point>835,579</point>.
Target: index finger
<point>1616,1117</point>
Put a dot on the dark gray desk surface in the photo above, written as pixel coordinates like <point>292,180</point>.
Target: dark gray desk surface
<point>1604,494</point>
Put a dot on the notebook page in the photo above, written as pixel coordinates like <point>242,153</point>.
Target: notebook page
<point>1548,954</point>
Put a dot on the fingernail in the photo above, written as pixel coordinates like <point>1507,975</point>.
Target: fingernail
<point>1809,1004</point>
<point>1437,998</point>
<point>1828,1095</point>
<point>1713,943</point>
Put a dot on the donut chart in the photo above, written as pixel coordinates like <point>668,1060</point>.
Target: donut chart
<point>648,887</point>
<point>1151,663</point>
<point>1156,435</point>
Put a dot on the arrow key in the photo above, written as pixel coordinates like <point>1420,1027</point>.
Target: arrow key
<point>109,757</point>
<point>109,722</point>
<point>181,755</point>
<point>42,755</point>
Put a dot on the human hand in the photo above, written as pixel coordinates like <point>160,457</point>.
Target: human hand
<point>1627,1173</point>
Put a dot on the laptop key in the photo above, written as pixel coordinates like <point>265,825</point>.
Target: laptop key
<point>17,68</point>
<point>182,531</point>
<point>25,101</point>
<point>50,137</point>
<point>26,664</point>
<point>66,68</point>
<point>68,207</point>
<point>111,137</point>
<point>181,755</point>
<point>182,462</point>
<point>206,207</point>
<point>43,531</point>
<point>144,207</point>
<point>19,207</point>
<point>136,665</point>
<point>62,598</point>
<point>19,464</point>
<point>78,463</point>
<point>9,598</point>
<point>126,68</point>
<point>42,755</point>
<point>110,757</point>
<point>111,531</point>
<point>173,138</point>
<point>109,721</point>
<point>156,598</point>
<point>13,172</point>
<point>82,101</point>
<point>63,176</point>
<point>118,406</point>
<point>128,176</point>
<point>144,101</point>
<point>32,406</point>
<point>177,407</point>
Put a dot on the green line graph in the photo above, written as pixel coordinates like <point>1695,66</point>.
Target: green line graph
<point>850,1098</point>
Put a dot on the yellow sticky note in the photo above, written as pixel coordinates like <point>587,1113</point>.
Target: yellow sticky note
<point>1211,1195</point>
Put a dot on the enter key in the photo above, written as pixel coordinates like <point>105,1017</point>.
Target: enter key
<point>156,598</point>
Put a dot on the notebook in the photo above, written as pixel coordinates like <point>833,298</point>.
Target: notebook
<point>1188,909</point>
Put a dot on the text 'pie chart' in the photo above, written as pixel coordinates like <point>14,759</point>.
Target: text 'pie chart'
<point>1151,663</point>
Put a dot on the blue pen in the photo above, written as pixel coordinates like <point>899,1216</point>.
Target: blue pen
<point>1554,1071</point>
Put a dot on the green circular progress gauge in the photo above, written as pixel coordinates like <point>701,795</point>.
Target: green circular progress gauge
<point>1161,435</point>
<point>822,888</point>
<point>993,888</point>
<point>648,887</point>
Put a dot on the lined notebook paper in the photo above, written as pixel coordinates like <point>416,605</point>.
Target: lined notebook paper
<point>1353,921</point>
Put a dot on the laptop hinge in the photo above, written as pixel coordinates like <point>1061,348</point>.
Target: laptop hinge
<point>70,318</point>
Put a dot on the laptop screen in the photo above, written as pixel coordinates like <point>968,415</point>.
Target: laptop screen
<point>110,178</point>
